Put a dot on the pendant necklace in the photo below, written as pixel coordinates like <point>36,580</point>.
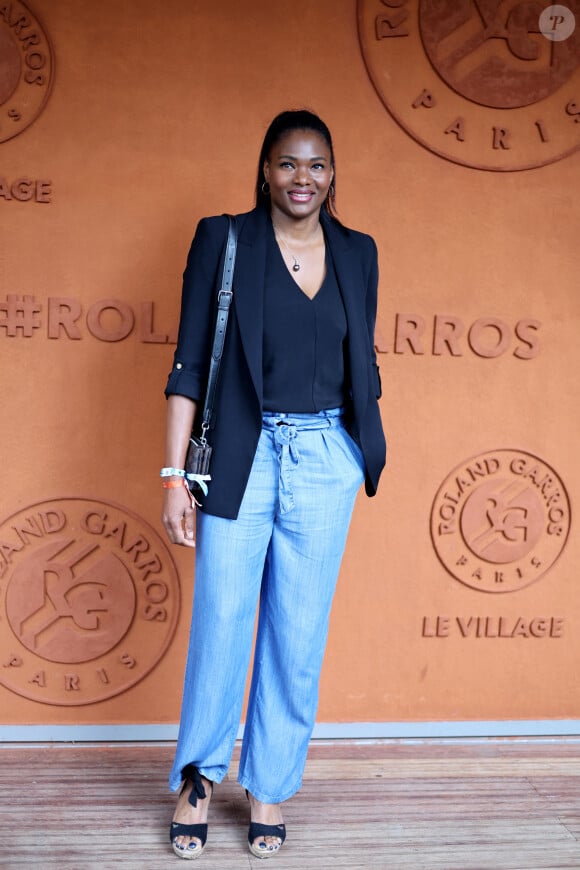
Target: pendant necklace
<point>296,264</point>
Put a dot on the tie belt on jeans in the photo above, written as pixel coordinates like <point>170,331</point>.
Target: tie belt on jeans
<point>285,428</point>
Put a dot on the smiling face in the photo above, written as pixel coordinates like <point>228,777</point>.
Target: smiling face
<point>299,172</point>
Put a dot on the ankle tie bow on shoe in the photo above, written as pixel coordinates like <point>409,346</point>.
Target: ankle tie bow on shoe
<point>191,774</point>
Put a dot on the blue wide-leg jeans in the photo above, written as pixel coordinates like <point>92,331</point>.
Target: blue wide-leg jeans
<point>283,552</point>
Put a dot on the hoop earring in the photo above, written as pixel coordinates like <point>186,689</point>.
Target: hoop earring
<point>265,188</point>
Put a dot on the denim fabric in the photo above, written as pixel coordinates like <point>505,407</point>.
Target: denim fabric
<point>283,551</point>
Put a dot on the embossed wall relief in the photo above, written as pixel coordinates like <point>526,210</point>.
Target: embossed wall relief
<point>491,85</point>
<point>26,68</point>
<point>459,578</point>
<point>500,520</point>
<point>89,600</point>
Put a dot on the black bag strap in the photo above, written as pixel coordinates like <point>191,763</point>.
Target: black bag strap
<point>225,297</point>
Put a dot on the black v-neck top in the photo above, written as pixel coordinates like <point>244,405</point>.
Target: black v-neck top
<point>304,344</point>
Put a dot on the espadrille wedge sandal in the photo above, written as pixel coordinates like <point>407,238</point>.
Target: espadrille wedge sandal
<point>193,850</point>
<point>263,850</point>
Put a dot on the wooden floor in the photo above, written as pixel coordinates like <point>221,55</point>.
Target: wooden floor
<point>474,805</point>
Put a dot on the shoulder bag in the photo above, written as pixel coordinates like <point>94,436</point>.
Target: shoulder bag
<point>199,451</point>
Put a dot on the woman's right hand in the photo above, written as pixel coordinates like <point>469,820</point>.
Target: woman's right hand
<point>178,516</point>
<point>178,513</point>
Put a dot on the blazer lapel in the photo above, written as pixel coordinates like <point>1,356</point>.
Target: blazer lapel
<point>351,282</point>
<point>249,277</point>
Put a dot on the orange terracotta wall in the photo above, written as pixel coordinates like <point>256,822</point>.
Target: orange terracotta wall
<point>458,595</point>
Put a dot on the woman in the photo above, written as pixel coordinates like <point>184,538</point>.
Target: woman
<point>297,431</point>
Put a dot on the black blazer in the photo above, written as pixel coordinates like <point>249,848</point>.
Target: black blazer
<point>238,402</point>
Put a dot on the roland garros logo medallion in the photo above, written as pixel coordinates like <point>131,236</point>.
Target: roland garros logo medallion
<point>26,68</point>
<point>500,520</point>
<point>89,600</point>
<point>491,84</point>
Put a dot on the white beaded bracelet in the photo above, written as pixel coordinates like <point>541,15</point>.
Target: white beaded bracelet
<point>172,472</point>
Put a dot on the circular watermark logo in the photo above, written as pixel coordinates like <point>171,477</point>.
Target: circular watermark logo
<point>557,23</point>
<point>500,520</point>
<point>26,68</point>
<point>89,600</point>
<point>478,83</point>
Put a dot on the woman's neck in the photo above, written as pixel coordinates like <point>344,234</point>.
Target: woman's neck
<point>301,229</point>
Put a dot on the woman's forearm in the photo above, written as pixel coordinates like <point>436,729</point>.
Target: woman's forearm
<point>178,511</point>
<point>180,416</point>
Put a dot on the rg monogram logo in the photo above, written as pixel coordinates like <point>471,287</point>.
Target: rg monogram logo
<point>26,68</point>
<point>89,599</point>
<point>486,83</point>
<point>500,521</point>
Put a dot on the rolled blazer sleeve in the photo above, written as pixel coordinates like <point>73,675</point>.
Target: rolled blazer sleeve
<point>188,377</point>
